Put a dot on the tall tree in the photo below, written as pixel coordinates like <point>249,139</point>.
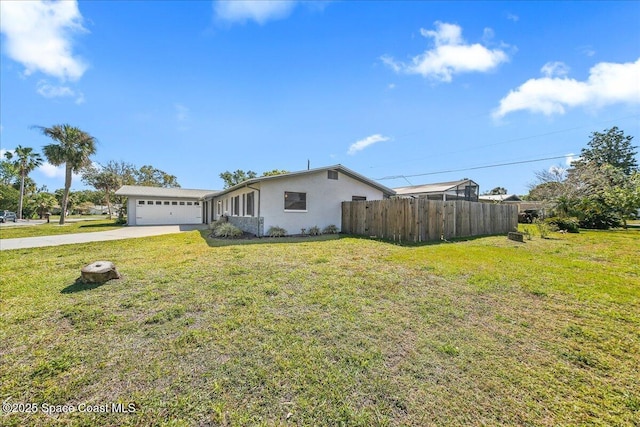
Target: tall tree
<point>104,180</point>
<point>233,178</point>
<point>26,160</point>
<point>275,172</point>
<point>610,147</point>
<point>153,177</point>
<point>8,172</point>
<point>73,148</point>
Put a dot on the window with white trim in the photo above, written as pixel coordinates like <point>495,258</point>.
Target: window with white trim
<point>294,201</point>
<point>332,174</point>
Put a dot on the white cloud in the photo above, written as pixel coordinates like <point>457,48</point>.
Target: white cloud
<point>56,172</point>
<point>364,143</point>
<point>259,11</point>
<point>555,69</point>
<point>51,171</point>
<point>450,55</point>
<point>51,91</point>
<point>39,35</point>
<point>513,17</point>
<point>608,83</point>
<point>570,158</point>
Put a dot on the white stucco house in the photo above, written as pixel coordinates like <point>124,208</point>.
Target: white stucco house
<point>293,201</point>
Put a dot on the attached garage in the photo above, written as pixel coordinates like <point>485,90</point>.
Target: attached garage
<point>164,206</point>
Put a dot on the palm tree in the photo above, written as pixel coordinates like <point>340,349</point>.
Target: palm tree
<point>73,149</point>
<point>25,162</point>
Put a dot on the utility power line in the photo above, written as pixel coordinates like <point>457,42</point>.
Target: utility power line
<point>471,168</point>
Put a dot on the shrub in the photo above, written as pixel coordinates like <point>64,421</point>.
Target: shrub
<point>227,230</point>
<point>276,232</point>
<point>526,230</point>
<point>543,228</point>
<point>330,229</point>
<point>569,224</point>
<point>217,224</point>
<point>314,231</point>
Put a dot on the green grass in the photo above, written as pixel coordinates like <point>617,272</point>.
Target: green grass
<point>53,228</point>
<point>344,331</point>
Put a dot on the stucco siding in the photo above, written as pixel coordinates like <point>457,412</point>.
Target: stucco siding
<point>324,199</point>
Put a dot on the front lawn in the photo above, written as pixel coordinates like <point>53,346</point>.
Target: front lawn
<point>345,331</point>
<point>53,228</point>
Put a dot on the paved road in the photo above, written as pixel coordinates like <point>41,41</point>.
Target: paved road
<point>119,234</point>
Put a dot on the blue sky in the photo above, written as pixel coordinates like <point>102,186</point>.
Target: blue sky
<point>389,89</point>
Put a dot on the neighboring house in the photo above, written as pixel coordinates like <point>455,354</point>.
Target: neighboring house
<point>293,200</point>
<point>499,198</point>
<point>102,210</point>
<point>464,189</point>
<point>163,206</point>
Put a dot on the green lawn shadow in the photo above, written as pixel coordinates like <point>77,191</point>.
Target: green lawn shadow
<point>79,286</point>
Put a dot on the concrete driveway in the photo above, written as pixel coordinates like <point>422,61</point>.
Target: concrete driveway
<point>100,236</point>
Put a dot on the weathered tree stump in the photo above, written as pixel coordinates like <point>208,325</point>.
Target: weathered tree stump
<point>516,236</point>
<point>99,272</point>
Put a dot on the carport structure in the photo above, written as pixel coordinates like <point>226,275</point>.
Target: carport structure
<point>164,206</point>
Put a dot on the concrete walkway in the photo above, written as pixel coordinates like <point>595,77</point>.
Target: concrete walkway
<point>100,236</point>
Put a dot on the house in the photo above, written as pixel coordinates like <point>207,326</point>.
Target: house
<point>164,206</point>
<point>499,198</point>
<point>293,200</point>
<point>464,189</point>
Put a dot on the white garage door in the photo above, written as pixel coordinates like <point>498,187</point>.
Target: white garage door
<point>161,212</point>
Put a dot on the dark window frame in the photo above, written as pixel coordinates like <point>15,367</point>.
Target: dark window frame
<point>295,201</point>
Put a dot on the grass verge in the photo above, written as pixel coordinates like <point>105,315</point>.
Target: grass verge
<point>337,332</point>
<point>53,228</point>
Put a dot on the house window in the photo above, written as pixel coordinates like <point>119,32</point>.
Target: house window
<point>166,203</point>
<point>196,203</point>
<point>150,202</point>
<point>358,198</point>
<point>141,202</point>
<point>332,174</point>
<point>295,201</point>
<point>219,207</point>
<point>174,203</point>
<point>250,203</point>
<point>158,202</point>
<point>189,203</point>
<point>181,203</point>
<point>236,206</point>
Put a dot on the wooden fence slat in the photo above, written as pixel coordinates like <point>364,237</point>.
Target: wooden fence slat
<point>419,220</point>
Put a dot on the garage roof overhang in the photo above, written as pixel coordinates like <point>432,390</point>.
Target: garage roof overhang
<point>174,193</point>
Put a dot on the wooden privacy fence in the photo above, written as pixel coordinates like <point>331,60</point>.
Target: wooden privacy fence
<point>422,220</point>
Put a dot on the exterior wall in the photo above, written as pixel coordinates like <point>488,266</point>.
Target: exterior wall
<point>244,220</point>
<point>184,214</point>
<point>131,210</point>
<point>253,225</point>
<point>324,200</point>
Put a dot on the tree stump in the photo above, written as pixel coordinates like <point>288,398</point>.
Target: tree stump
<point>518,237</point>
<point>99,272</point>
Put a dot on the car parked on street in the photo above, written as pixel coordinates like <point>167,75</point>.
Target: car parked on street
<point>8,216</point>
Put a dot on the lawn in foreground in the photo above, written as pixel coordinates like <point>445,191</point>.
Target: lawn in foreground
<point>53,228</point>
<point>351,331</point>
